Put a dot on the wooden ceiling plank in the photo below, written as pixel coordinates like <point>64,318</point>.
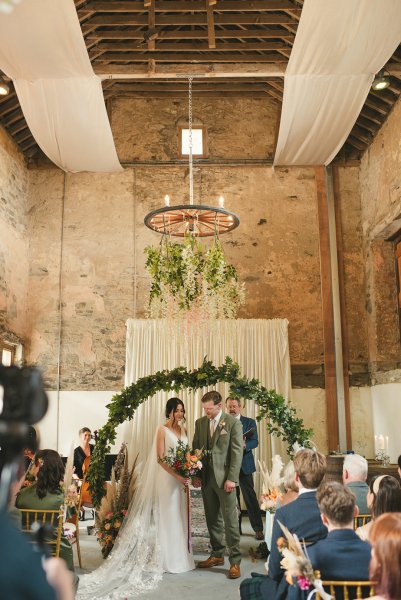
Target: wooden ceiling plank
<point>173,71</point>
<point>169,6</point>
<point>116,20</point>
<point>367,124</point>
<point>189,57</point>
<point>201,47</point>
<point>201,94</point>
<point>372,115</point>
<point>210,25</point>
<point>377,104</point>
<point>196,34</point>
<point>175,86</point>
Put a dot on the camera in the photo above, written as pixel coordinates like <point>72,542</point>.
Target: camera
<point>23,402</point>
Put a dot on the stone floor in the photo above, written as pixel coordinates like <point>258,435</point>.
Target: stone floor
<point>194,585</point>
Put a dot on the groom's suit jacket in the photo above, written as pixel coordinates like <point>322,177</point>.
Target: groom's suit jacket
<point>224,449</point>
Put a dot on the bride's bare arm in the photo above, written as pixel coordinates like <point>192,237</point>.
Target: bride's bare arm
<point>161,436</point>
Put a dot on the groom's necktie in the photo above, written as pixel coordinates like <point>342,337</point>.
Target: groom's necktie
<point>212,427</point>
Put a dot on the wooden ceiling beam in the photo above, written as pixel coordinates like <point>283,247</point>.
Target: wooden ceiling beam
<point>116,20</point>
<point>177,86</point>
<point>372,115</point>
<point>377,104</point>
<point>173,71</point>
<point>210,25</point>
<point>151,22</point>
<point>202,47</point>
<point>356,143</point>
<point>189,57</point>
<point>168,6</point>
<point>194,34</point>
<point>367,124</point>
<point>184,94</point>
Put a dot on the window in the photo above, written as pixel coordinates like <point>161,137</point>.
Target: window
<point>7,354</point>
<point>198,141</point>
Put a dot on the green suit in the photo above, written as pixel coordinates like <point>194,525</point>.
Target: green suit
<point>221,463</point>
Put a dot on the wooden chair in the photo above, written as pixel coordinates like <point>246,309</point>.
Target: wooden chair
<point>54,518</point>
<point>77,521</point>
<point>361,520</point>
<point>348,590</point>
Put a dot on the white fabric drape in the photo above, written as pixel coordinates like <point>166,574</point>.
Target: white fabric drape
<point>339,46</point>
<point>43,51</point>
<point>259,346</point>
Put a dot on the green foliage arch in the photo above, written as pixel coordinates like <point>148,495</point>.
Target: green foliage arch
<point>280,415</point>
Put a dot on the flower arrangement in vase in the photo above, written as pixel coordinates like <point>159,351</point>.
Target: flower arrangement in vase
<point>271,484</point>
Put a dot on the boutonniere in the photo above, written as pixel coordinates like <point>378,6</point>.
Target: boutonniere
<point>222,424</point>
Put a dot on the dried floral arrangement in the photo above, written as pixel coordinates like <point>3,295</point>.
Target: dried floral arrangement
<point>271,484</point>
<point>117,500</point>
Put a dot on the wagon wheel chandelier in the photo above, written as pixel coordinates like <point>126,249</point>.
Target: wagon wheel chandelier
<point>199,220</point>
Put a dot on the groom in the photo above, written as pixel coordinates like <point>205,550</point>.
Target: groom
<point>220,435</point>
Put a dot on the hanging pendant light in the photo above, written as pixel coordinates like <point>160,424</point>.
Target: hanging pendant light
<point>199,220</point>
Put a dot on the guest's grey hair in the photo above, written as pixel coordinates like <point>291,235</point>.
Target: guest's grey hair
<point>289,477</point>
<point>357,466</point>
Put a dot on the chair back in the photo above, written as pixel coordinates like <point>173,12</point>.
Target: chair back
<point>349,590</point>
<point>54,518</point>
<point>361,520</point>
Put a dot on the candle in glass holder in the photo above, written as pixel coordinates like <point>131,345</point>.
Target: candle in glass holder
<point>381,442</point>
<point>386,447</point>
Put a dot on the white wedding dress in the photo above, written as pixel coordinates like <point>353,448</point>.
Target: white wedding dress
<point>153,539</point>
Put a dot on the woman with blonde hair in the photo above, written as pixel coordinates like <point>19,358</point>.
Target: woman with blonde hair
<point>385,564</point>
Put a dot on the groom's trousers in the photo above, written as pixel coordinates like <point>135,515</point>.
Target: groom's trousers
<point>221,516</point>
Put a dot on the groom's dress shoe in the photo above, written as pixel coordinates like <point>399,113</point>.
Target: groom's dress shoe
<point>212,561</point>
<point>234,572</point>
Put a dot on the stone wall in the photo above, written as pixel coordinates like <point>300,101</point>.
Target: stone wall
<point>13,241</point>
<point>99,236</point>
<point>380,176</point>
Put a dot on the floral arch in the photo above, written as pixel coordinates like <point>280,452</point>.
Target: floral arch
<point>281,419</point>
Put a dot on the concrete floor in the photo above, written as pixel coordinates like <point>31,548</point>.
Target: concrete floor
<point>194,585</point>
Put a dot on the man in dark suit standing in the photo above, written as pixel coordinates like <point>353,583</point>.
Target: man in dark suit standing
<point>302,516</point>
<point>250,435</point>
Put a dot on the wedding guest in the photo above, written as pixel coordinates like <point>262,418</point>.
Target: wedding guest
<point>342,555</point>
<point>83,452</point>
<point>399,466</point>
<point>385,565</point>
<point>384,496</point>
<point>46,493</point>
<point>355,472</point>
<point>289,484</point>
<point>302,517</point>
<point>246,484</point>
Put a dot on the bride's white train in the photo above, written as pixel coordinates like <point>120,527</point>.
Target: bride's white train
<point>153,538</point>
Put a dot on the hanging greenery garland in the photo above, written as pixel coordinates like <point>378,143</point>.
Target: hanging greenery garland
<point>186,278</point>
<point>280,415</point>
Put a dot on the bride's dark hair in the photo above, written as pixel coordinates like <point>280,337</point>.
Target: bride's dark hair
<point>171,406</point>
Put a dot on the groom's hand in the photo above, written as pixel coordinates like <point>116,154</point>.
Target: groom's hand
<point>196,482</point>
<point>229,486</point>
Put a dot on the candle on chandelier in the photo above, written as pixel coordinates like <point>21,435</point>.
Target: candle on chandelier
<point>221,202</point>
<point>167,200</point>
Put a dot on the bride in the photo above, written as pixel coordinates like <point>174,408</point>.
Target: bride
<point>154,536</point>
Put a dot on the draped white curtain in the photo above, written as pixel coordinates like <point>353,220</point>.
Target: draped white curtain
<point>339,46</point>
<point>259,346</point>
<point>43,51</point>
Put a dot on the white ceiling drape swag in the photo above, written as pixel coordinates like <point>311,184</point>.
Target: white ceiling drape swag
<point>339,46</point>
<point>259,346</point>
<point>42,50</point>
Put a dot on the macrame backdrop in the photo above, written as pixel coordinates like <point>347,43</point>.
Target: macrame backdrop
<point>259,346</point>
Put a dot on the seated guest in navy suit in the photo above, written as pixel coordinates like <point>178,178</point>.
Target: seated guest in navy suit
<point>302,516</point>
<point>342,555</point>
<point>248,467</point>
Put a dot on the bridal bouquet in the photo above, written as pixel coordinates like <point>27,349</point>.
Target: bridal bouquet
<point>271,486</point>
<point>182,461</point>
<point>297,565</point>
